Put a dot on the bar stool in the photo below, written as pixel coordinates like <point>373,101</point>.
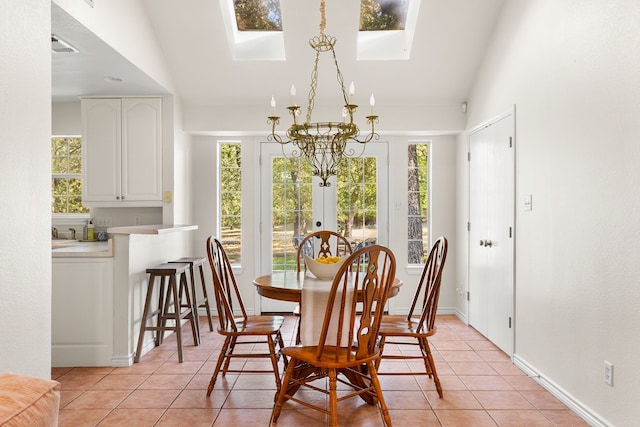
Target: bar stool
<point>204,301</point>
<point>172,296</point>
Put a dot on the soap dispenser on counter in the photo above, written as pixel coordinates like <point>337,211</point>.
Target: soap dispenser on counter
<point>90,231</point>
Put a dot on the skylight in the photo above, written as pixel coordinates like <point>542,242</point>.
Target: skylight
<point>254,29</point>
<point>383,15</point>
<point>386,29</point>
<point>258,15</point>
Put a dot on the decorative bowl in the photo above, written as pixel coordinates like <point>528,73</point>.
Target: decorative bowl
<point>321,270</point>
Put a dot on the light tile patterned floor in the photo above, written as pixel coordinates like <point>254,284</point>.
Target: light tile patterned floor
<point>481,388</point>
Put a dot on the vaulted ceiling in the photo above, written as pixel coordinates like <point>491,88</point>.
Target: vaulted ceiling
<point>450,40</point>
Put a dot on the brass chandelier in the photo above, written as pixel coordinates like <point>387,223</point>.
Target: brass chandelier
<point>323,144</point>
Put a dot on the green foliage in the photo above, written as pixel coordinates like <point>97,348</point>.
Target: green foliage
<point>258,15</point>
<point>417,202</point>
<point>66,181</point>
<point>231,199</point>
<point>357,196</point>
<point>383,15</point>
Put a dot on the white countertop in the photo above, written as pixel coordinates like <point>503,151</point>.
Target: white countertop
<point>150,229</point>
<point>84,250</point>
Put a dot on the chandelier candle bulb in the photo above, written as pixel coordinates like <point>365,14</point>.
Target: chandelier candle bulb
<point>273,106</point>
<point>352,91</point>
<point>293,95</point>
<point>372,102</point>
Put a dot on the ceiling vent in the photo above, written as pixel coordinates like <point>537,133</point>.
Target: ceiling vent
<point>60,46</point>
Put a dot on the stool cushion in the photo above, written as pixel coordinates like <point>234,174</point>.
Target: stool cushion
<point>28,401</point>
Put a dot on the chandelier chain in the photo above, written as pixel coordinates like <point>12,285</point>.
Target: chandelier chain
<point>323,17</point>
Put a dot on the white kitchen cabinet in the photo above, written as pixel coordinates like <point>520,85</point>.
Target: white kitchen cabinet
<point>122,152</point>
<point>82,312</point>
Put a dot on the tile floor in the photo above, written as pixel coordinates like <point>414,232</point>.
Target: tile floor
<point>481,388</point>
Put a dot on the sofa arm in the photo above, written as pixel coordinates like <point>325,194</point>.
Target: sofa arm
<point>28,401</point>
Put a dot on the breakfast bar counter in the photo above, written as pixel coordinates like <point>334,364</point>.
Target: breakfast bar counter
<point>99,290</point>
<point>137,248</point>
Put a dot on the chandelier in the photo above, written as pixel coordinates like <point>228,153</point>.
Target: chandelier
<point>323,144</point>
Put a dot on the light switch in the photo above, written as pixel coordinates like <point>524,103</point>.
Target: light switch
<point>527,203</point>
<point>167,196</point>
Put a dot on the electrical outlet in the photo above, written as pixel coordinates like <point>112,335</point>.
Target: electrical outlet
<point>608,373</point>
<point>104,221</point>
<point>137,220</point>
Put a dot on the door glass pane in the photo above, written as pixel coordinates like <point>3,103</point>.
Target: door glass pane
<point>357,200</point>
<point>291,207</point>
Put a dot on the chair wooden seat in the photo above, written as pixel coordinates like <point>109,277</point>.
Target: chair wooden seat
<point>255,325</point>
<point>331,356</point>
<point>401,326</point>
<point>414,329</point>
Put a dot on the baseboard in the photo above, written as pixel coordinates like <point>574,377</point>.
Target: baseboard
<point>572,403</point>
<point>122,361</point>
<point>462,316</point>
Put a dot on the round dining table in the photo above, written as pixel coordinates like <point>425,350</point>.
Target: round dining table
<point>287,285</point>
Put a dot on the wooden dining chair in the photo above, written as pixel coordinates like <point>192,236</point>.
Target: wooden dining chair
<point>235,325</point>
<point>342,324</point>
<point>419,324</point>
<point>331,244</point>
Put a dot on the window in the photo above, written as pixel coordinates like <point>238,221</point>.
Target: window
<point>66,175</point>
<point>418,203</point>
<point>383,15</point>
<point>254,29</point>
<point>230,202</point>
<point>387,29</point>
<point>261,15</point>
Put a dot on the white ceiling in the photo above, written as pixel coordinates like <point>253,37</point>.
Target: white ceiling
<point>448,46</point>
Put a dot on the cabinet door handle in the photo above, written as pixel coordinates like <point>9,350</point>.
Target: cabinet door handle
<point>486,243</point>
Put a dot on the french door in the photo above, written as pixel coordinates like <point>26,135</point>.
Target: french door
<point>491,238</point>
<point>293,205</point>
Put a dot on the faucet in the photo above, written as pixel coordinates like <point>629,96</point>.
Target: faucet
<point>73,233</point>
<point>54,233</point>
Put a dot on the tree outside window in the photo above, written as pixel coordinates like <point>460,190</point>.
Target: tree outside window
<point>66,176</point>
<point>383,15</point>
<point>258,15</point>
<point>230,204</point>
<point>418,203</point>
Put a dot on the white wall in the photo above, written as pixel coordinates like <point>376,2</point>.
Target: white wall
<point>65,118</point>
<point>25,161</point>
<point>572,70</point>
